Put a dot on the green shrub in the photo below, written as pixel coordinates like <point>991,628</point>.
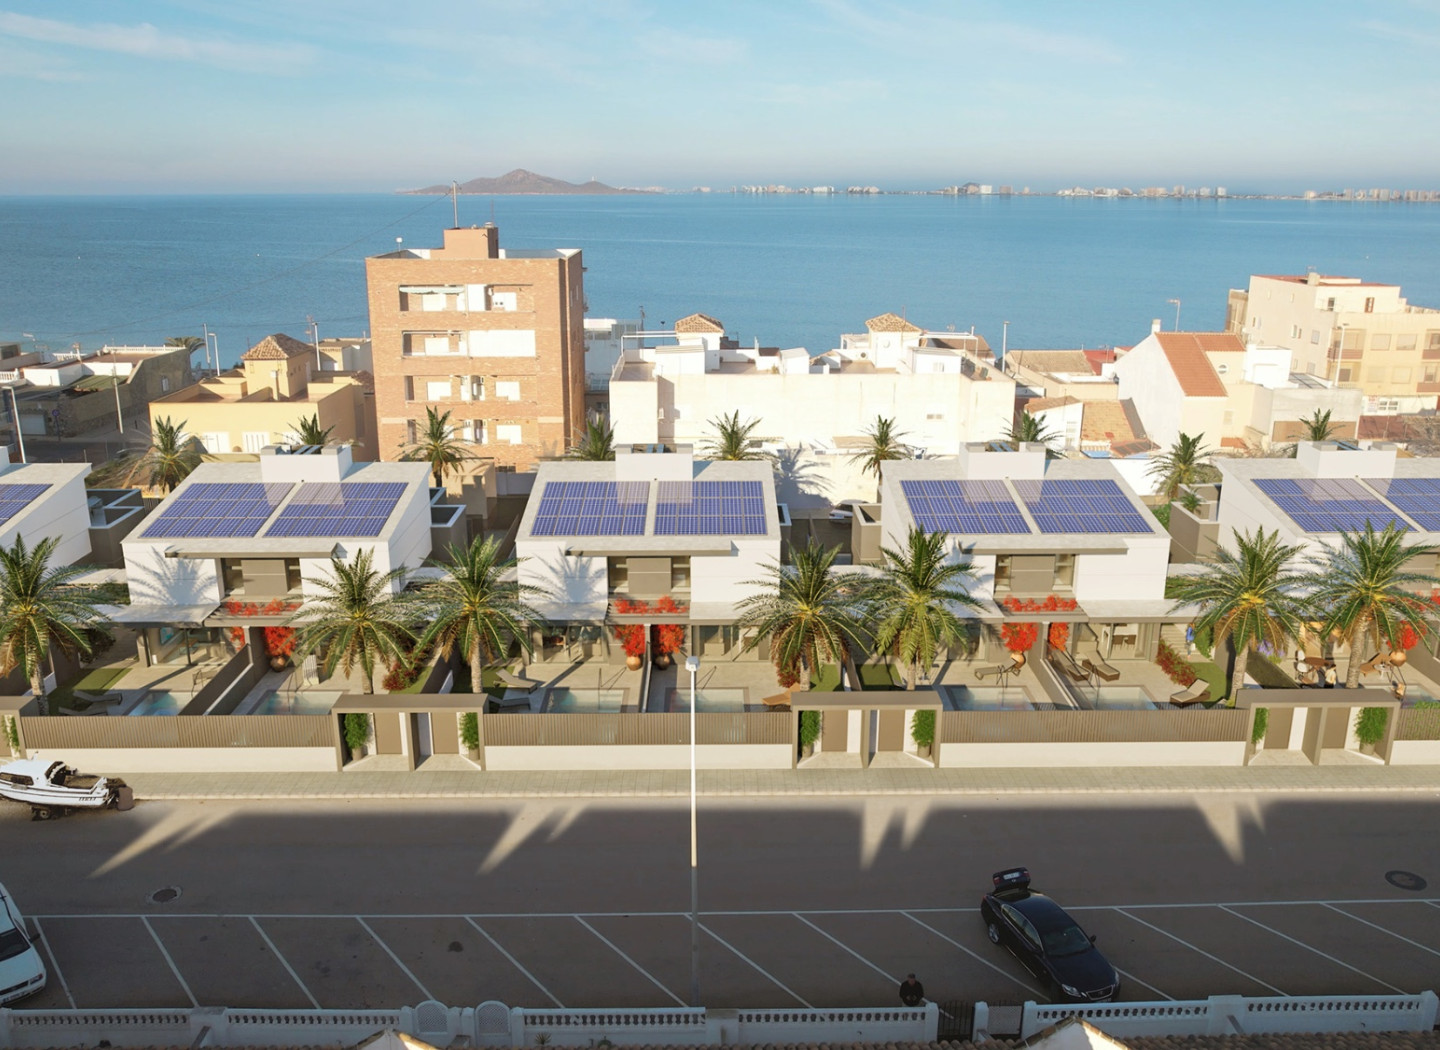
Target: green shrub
<point>470,730</point>
<point>12,734</point>
<point>1426,703</point>
<point>922,728</point>
<point>809,727</point>
<point>1262,723</point>
<point>1370,725</point>
<point>357,731</point>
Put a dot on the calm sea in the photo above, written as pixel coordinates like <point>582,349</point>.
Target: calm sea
<point>792,270</point>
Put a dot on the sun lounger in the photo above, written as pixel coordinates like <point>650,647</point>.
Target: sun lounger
<point>1197,692</point>
<point>93,699</point>
<point>93,709</point>
<point>515,681</point>
<point>1100,669</point>
<point>779,700</point>
<point>1067,666</point>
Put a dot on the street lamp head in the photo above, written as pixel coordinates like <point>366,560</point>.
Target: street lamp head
<point>692,664</point>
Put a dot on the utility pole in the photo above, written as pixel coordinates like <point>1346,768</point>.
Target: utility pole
<point>315,339</point>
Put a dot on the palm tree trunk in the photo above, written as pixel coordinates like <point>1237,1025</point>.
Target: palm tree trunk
<point>476,670</point>
<point>37,686</point>
<point>1237,677</point>
<point>912,673</point>
<point>1352,668</point>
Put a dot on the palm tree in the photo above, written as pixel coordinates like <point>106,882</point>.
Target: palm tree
<point>477,606</point>
<point>1181,465</point>
<point>354,619</point>
<point>883,446</point>
<point>438,447</point>
<point>1368,591</point>
<point>732,438</point>
<point>187,342</point>
<point>309,431</point>
<point>596,443</point>
<point>172,455</point>
<point>1030,429</point>
<point>911,605</point>
<point>42,606</point>
<point>1318,426</point>
<point>1251,596</point>
<point>806,611</point>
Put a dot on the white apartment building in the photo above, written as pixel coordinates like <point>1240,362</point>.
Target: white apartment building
<point>941,388</point>
<point>1360,334</point>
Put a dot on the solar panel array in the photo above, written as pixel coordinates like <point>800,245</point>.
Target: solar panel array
<point>15,498</point>
<point>1328,504</point>
<point>1419,498</point>
<point>218,509</point>
<point>982,507</point>
<point>710,508</point>
<point>1080,506</point>
<point>592,508</point>
<point>346,508</point>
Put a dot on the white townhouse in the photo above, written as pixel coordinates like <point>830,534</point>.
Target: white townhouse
<point>44,500</point>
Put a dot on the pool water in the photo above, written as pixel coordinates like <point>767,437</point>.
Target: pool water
<point>278,703</point>
<point>563,701</point>
<point>1119,698</point>
<point>988,698</point>
<point>706,700</point>
<point>161,702</point>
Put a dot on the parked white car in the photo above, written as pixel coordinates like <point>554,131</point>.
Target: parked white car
<point>22,972</point>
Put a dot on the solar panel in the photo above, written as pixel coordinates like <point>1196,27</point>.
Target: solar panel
<point>1419,498</point>
<point>975,507</point>
<point>349,508</point>
<point>15,498</point>
<point>1090,506</point>
<point>592,508</point>
<point>710,508</point>
<point>1327,504</point>
<point>218,509</point>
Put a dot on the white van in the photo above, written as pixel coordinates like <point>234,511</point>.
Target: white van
<point>22,972</point>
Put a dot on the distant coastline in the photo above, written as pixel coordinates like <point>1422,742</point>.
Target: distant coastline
<point>525,183</point>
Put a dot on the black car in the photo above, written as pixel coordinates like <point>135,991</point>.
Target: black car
<point>1048,943</point>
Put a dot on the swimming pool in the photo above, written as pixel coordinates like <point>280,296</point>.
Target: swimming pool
<point>1119,698</point>
<point>278,703</point>
<point>161,702</point>
<point>587,701</point>
<point>706,700</point>
<point>988,698</point>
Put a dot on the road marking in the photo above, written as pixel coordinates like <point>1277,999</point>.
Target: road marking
<point>284,962</point>
<point>516,963</point>
<point>54,963</point>
<point>758,968</point>
<point>977,957</point>
<point>1317,951</point>
<point>616,949</point>
<point>1144,984</point>
<point>846,947</point>
<point>169,961</point>
<point>1201,951</point>
<point>394,958</point>
<point>1382,929</point>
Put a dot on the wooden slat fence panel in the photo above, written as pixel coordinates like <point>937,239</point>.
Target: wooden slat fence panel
<point>577,730</point>
<point>179,731</point>
<point>1418,723</point>
<point>1079,727</point>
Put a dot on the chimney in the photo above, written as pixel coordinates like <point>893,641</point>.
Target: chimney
<point>1312,278</point>
<point>1155,326</point>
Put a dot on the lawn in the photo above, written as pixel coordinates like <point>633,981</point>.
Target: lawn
<point>879,676</point>
<point>94,681</point>
<point>828,680</point>
<point>1214,677</point>
<point>488,678</point>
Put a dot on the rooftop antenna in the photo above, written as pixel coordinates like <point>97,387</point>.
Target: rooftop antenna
<point>455,202</point>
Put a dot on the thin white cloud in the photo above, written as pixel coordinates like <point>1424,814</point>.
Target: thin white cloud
<point>1402,34</point>
<point>671,44</point>
<point>144,40</point>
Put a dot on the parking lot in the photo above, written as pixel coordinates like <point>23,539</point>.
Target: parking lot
<point>164,957</point>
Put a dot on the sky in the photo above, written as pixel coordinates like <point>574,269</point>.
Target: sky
<point>215,96</point>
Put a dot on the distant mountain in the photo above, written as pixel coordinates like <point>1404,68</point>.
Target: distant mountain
<point>522,181</point>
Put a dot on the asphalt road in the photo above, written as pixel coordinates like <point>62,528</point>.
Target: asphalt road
<point>821,902</point>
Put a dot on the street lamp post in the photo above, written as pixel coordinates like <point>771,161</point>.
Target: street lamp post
<point>692,664</point>
<point>15,415</point>
<point>1175,303</point>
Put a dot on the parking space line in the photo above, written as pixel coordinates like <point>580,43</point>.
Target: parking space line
<point>284,962</point>
<point>394,958</point>
<point>54,962</point>
<point>616,949</point>
<point>515,963</point>
<point>974,955</point>
<point>1382,929</point>
<point>846,947</point>
<point>1317,951</point>
<point>1143,984</point>
<point>758,968</point>
<point>1201,951</point>
<point>169,961</point>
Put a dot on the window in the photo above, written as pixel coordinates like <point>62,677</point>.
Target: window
<point>437,390</point>
<point>680,573</point>
<point>617,571</point>
<point>1345,375</point>
<point>1221,369</point>
<point>293,579</point>
<point>508,432</point>
<point>1432,340</point>
<point>1380,341</point>
<point>232,575</point>
<point>1294,331</point>
<point>1374,375</point>
<point>1405,341</point>
<point>1369,306</point>
<point>1315,336</point>
<point>509,390</point>
<point>1064,571</point>
<point>216,441</point>
<point>504,300</point>
<point>477,388</point>
<point>165,384</point>
<point>255,440</point>
<point>1330,304</point>
<point>1002,573</point>
<point>409,388</point>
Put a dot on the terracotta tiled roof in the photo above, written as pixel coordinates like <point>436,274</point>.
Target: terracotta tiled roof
<point>1053,360</point>
<point>1186,353</point>
<point>277,347</point>
<point>1234,442</point>
<point>890,323</point>
<point>1106,421</point>
<point>1040,404</point>
<point>1210,342</point>
<point>699,323</point>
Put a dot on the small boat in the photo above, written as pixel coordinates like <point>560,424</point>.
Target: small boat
<point>52,788</point>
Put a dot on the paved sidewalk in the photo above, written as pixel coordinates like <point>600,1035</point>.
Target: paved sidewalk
<point>1409,780</point>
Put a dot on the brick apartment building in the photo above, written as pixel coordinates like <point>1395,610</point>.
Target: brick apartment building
<point>493,336</point>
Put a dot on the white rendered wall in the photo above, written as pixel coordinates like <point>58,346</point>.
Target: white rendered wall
<point>1093,753</point>
<point>638,756</point>
<point>1137,574</point>
<point>723,579</point>
<point>157,580</point>
<point>565,579</point>
<point>62,513</point>
<point>1147,380</point>
<point>121,760</point>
